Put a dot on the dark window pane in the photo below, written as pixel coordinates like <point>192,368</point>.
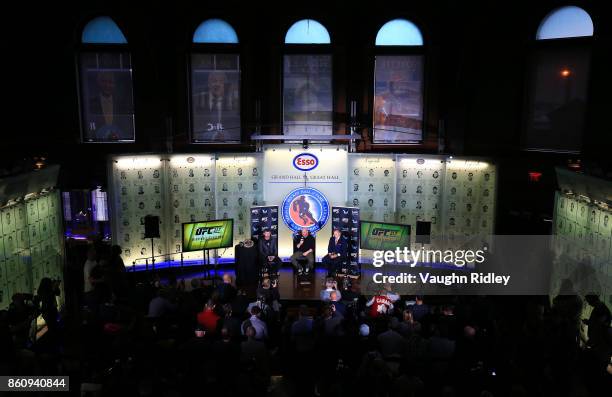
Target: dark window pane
<point>215,97</point>
<point>307,95</point>
<point>398,99</point>
<point>107,103</point>
<point>557,99</point>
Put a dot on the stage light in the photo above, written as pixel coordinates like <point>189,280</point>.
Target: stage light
<point>39,162</point>
<point>574,164</point>
<point>565,73</point>
<point>534,176</point>
<point>243,160</point>
<point>467,165</point>
<point>185,160</point>
<point>138,162</point>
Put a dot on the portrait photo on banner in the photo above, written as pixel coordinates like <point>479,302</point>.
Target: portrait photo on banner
<point>398,99</point>
<point>106,97</point>
<point>215,98</point>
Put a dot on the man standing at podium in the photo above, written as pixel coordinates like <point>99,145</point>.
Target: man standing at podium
<point>336,252</point>
<point>304,248</point>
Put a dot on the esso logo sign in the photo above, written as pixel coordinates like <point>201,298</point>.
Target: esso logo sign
<point>305,162</point>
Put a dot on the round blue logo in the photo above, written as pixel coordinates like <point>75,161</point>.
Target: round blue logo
<point>305,207</point>
<point>305,162</point>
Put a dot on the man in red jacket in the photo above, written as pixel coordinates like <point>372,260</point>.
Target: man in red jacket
<point>208,319</point>
<point>380,305</point>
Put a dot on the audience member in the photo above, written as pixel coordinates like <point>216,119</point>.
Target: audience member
<point>331,285</point>
<point>208,318</point>
<point>255,322</point>
<point>302,331</point>
<point>160,306</point>
<point>227,290</point>
<point>90,263</point>
<point>420,309</point>
<point>338,306</point>
<point>380,305</point>
<point>409,325</point>
<point>391,343</point>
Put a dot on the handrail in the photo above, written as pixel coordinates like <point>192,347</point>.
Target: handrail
<point>155,256</point>
<point>147,258</point>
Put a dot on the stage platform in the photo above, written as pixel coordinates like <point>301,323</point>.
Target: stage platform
<point>288,283</point>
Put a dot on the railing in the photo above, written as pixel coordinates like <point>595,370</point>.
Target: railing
<point>150,260</point>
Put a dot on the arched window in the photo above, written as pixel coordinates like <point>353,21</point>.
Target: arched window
<point>215,31</point>
<point>215,83</point>
<point>565,22</point>
<point>102,30</point>
<point>307,31</point>
<point>307,80</point>
<point>398,84</point>
<point>105,83</point>
<point>399,32</point>
<point>558,81</point>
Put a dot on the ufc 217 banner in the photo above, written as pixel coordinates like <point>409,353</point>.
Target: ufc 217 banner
<point>262,218</point>
<point>347,220</point>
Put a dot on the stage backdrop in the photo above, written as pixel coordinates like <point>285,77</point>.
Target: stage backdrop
<point>191,194</point>
<point>179,188</point>
<point>289,167</point>
<point>582,242</point>
<point>456,195</point>
<point>238,189</point>
<point>372,185</point>
<point>31,245</point>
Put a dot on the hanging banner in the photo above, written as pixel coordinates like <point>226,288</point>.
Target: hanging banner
<point>264,218</point>
<point>347,220</point>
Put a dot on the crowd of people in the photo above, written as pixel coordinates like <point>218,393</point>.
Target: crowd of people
<point>139,334</point>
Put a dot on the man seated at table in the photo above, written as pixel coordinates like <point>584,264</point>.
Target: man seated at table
<point>336,252</point>
<point>268,252</point>
<point>304,249</point>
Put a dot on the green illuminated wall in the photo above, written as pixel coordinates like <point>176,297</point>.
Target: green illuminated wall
<point>31,245</point>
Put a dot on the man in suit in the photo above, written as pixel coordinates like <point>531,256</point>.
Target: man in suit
<point>110,115</point>
<point>217,110</point>
<point>268,252</point>
<point>337,250</point>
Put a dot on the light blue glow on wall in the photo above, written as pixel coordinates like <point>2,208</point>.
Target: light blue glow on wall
<point>215,31</point>
<point>102,30</point>
<point>307,31</point>
<point>399,32</point>
<point>565,22</point>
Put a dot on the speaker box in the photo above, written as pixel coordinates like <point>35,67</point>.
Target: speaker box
<point>423,232</point>
<point>151,224</point>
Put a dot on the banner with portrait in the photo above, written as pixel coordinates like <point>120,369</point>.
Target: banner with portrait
<point>215,98</point>
<point>307,95</point>
<point>398,99</point>
<point>107,101</point>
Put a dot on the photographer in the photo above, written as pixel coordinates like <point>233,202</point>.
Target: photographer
<point>331,285</point>
<point>267,299</point>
